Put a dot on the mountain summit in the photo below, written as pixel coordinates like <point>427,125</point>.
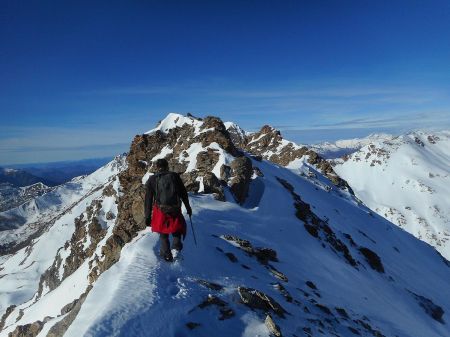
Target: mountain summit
<point>284,249</point>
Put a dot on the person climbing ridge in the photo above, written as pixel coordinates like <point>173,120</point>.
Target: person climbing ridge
<point>164,192</point>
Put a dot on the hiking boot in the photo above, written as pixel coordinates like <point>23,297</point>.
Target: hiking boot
<point>168,257</point>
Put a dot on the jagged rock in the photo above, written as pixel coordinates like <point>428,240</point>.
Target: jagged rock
<point>342,312</point>
<point>110,216</point>
<point>109,191</point>
<point>315,226</point>
<point>8,311</point>
<point>324,309</point>
<point>262,254</point>
<point>284,292</point>
<point>256,299</point>
<point>431,309</point>
<point>241,171</point>
<point>192,325</point>
<point>231,257</point>
<point>206,160</point>
<point>71,310</point>
<point>225,173</point>
<point>212,185</point>
<point>272,327</point>
<point>27,330</point>
<point>278,274</point>
<point>210,285</point>
<point>269,144</point>
<point>311,285</point>
<point>225,311</point>
<point>190,181</point>
<point>372,259</point>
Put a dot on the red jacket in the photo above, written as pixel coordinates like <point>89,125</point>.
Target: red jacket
<point>167,224</point>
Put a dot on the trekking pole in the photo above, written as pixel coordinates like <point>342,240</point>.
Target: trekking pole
<point>193,233</point>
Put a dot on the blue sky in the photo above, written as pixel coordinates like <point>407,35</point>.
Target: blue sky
<point>80,79</point>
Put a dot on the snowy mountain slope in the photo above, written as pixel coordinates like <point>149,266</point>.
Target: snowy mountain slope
<point>12,196</point>
<point>35,215</point>
<point>23,273</point>
<point>407,181</point>
<point>339,148</point>
<point>278,248</point>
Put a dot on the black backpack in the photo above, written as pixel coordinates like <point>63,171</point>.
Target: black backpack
<point>166,193</point>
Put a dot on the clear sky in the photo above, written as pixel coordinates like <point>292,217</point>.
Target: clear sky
<point>79,79</point>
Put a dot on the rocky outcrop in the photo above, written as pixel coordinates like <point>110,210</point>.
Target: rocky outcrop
<point>27,330</point>
<point>71,310</point>
<point>256,299</point>
<point>241,172</point>
<point>269,144</point>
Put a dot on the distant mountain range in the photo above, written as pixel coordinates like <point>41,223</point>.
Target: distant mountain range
<point>56,173</point>
<point>21,183</point>
<point>21,178</point>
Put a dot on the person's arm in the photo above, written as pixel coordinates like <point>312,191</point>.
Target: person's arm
<point>183,194</point>
<point>148,205</point>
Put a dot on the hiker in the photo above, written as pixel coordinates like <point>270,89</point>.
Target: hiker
<point>164,192</point>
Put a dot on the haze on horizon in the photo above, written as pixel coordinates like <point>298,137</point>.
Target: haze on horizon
<point>80,79</point>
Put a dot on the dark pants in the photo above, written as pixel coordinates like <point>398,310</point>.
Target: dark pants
<point>165,244</point>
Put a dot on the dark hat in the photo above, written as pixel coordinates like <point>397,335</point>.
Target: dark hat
<point>162,165</point>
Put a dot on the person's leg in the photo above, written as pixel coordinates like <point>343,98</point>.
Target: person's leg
<point>176,242</point>
<point>164,249</point>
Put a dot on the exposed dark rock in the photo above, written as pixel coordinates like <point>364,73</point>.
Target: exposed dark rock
<point>273,328</point>
<point>372,259</point>
<point>324,309</point>
<point>431,309</point>
<point>353,330</point>
<point>315,226</point>
<point>210,285</point>
<point>72,309</point>
<point>8,311</point>
<point>418,141</point>
<point>212,300</point>
<point>433,139</point>
<point>278,274</point>
<point>212,185</point>
<point>262,254</point>
<point>284,292</point>
<point>192,325</point>
<point>109,191</point>
<point>256,299</point>
<point>231,257</point>
<point>241,172</point>
<point>311,285</point>
<point>27,330</point>
<point>110,216</point>
<point>224,310</point>
<point>226,313</point>
<point>342,312</point>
